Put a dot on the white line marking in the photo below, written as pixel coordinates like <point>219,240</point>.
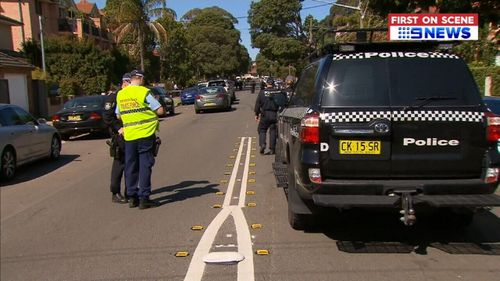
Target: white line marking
<point>197,266</point>
<point>232,180</point>
<point>245,267</point>
<point>243,191</point>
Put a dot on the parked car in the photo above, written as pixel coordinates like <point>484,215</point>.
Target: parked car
<point>24,139</point>
<point>165,100</point>
<point>388,126</point>
<point>228,86</point>
<point>211,98</point>
<point>81,115</point>
<point>188,95</point>
<point>493,103</point>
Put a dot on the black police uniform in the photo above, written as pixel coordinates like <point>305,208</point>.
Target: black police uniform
<point>117,142</point>
<point>268,110</point>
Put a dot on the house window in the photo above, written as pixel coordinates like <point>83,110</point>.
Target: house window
<point>38,7</point>
<point>4,91</point>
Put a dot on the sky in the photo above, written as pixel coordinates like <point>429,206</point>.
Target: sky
<point>239,9</point>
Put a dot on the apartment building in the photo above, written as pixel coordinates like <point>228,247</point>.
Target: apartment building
<point>58,17</point>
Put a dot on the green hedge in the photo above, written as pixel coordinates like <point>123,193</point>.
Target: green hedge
<point>480,74</point>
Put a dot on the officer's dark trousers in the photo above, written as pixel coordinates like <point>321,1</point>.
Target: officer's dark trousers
<point>267,121</point>
<point>139,161</point>
<point>117,174</point>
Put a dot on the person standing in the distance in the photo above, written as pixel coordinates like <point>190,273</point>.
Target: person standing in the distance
<point>139,110</point>
<point>117,143</point>
<point>266,113</point>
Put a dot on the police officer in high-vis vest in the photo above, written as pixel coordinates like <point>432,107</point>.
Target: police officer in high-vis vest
<point>139,111</point>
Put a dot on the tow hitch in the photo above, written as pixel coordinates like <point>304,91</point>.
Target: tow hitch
<point>407,210</point>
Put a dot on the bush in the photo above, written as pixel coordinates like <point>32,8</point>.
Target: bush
<point>480,73</point>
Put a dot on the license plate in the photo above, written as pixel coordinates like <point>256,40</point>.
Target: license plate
<point>74,118</point>
<point>359,147</point>
<point>210,104</point>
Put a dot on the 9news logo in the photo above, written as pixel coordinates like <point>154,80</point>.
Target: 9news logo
<point>441,27</point>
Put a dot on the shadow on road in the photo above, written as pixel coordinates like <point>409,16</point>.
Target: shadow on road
<point>39,168</point>
<point>358,231</point>
<point>184,190</point>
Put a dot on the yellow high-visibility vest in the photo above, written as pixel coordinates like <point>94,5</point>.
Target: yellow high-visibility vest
<point>139,121</point>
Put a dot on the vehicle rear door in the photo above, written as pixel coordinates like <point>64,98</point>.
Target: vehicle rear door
<point>438,126</point>
<point>355,127</point>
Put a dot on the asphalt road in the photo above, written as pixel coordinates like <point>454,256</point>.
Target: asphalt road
<point>58,222</point>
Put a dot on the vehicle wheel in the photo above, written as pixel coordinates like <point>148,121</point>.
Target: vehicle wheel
<point>55,148</point>
<point>172,112</point>
<point>8,169</point>
<point>296,221</point>
<point>459,217</point>
<point>64,137</point>
<point>197,111</point>
<point>299,221</point>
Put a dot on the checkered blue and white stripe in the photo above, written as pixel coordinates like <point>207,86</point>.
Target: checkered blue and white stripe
<point>436,55</point>
<point>402,116</point>
<point>348,56</point>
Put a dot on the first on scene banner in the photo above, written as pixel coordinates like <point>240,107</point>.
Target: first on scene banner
<point>439,27</point>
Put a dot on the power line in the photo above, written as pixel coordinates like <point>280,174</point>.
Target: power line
<point>305,8</point>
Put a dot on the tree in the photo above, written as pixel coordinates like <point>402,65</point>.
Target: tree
<point>214,43</point>
<point>132,17</point>
<point>276,28</point>
<point>77,65</point>
<point>176,53</point>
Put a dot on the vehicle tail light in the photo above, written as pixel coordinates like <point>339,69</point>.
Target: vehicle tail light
<point>491,175</point>
<point>315,175</point>
<point>493,129</point>
<point>56,118</point>
<point>199,97</point>
<point>95,116</point>
<point>309,129</point>
<point>220,96</point>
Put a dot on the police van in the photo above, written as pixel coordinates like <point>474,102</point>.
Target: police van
<point>387,125</point>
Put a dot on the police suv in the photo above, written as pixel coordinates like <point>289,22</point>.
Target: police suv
<point>388,125</point>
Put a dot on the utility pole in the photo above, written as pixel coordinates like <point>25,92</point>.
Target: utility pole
<point>41,42</point>
<point>310,31</point>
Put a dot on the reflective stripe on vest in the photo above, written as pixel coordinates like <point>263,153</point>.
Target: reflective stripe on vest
<point>139,121</point>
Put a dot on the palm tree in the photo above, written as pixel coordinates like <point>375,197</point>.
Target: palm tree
<point>133,17</point>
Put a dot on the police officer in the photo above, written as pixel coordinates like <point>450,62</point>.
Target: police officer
<point>139,110</point>
<point>117,143</point>
<point>266,113</point>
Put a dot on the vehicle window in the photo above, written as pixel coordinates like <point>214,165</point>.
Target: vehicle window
<point>8,117</point>
<point>212,90</point>
<point>217,83</point>
<point>88,102</point>
<point>494,106</point>
<point>25,117</point>
<point>412,78</point>
<point>356,83</point>
<point>304,93</point>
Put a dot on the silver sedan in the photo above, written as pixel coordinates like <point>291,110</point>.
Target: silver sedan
<point>210,98</point>
<point>24,139</point>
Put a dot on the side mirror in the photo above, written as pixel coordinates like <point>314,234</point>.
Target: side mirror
<point>41,121</point>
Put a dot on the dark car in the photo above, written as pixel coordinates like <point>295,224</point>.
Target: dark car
<point>81,115</point>
<point>388,127</point>
<point>165,100</point>
<point>493,103</point>
<point>188,96</point>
